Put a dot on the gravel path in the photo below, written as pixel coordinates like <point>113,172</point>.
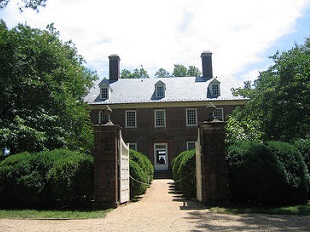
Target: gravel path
<point>161,209</point>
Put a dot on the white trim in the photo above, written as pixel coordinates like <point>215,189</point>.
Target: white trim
<point>164,165</point>
<point>135,145</point>
<point>104,95</point>
<point>196,117</point>
<point>155,118</point>
<point>190,142</point>
<point>126,119</point>
<point>222,114</point>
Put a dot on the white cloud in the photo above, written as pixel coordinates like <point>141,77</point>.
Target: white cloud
<point>161,33</point>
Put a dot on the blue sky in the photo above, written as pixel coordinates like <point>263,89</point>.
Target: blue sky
<point>158,34</point>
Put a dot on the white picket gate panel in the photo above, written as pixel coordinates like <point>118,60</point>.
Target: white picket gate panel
<point>124,171</point>
<point>198,169</point>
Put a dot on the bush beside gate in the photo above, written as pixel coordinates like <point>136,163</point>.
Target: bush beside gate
<point>271,174</point>
<point>50,179</point>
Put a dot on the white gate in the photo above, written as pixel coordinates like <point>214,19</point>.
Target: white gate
<point>124,171</point>
<point>198,168</point>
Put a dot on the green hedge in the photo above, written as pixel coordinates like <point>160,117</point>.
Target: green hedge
<point>142,172</point>
<point>272,174</point>
<point>47,179</point>
<point>184,175</point>
<point>295,173</point>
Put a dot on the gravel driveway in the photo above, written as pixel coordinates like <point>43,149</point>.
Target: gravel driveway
<point>161,209</point>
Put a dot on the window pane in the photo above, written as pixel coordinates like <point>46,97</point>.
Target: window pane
<point>160,91</point>
<point>160,118</point>
<point>104,93</point>
<point>130,118</point>
<point>215,89</point>
<point>218,113</point>
<point>191,117</point>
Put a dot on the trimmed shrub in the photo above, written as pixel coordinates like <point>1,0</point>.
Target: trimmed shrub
<point>138,180</point>
<point>144,163</point>
<point>183,168</point>
<point>255,175</point>
<point>304,148</point>
<point>71,178</point>
<point>296,174</point>
<point>272,174</point>
<point>142,171</point>
<point>46,179</point>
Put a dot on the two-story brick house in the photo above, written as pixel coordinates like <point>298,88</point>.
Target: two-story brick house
<point>159,116</point>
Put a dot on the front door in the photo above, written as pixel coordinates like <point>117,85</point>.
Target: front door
<point>160,156</point>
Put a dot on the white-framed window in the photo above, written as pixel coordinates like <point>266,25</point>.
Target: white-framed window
<point>104,92</point>
<point>216,89</point>
<point>160,118</point>
<point>191,117</point>
<point>218,113</point>
<point>133,146</point>
<point>131,118</point>
<point>190,145</point>
<point>160,89</point>
<point>103,117</point>
<point>160,92</point>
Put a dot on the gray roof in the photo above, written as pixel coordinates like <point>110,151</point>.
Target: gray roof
<point>178,89</point>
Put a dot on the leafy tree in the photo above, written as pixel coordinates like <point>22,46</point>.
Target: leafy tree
<point>279,103</point>
<point>193,71</point>
<point>42,82</point>
<point>162,73</point>
<point>179,71</point>
<point>22,4</point>
<point>137,73</point>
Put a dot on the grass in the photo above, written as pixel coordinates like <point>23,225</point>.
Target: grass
<point>241,209</point>
<point>52,214</point>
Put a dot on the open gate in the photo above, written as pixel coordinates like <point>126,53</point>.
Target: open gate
<point>124,171</point>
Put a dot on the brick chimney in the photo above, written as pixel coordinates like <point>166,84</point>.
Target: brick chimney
<point>206,58</point>
<point>114,68</point>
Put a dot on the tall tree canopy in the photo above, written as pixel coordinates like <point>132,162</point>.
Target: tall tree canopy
<point>181,71</point>
<point>42,84</point>
<point>33,4</point>
<point>279,108</point>
<point>137,73</point>
<point>162,73</point>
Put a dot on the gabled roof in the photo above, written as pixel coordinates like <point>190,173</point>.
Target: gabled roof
<point>178,89</point>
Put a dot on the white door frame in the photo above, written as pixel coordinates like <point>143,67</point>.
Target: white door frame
<point>161,156</point>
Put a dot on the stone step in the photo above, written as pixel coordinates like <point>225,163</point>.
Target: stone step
<point>166,174</point>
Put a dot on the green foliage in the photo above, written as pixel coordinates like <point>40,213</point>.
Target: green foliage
<point>295,170</point>
<point>262,175</point>
<point>162,73</point>
<point>181,71</point>
<point>43,82</point>
<point>33,4</point>
<point>143,162</point>
<point>279,104</point>
<point>137,73</point>
<point>46,179</point>
<point>183,170</point>
<point>304,148</point>
<point>142,170</point>
<point>239,130</point>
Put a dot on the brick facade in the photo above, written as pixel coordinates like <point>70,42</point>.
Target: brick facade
<point>176,133</point>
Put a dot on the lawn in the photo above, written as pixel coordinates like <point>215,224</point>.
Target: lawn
<point>241,209</point>
<point>52,214</point>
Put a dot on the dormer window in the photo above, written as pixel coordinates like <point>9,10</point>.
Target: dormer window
<point>214,88</point>
<point>160,89</point>
<point>104,92</point>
